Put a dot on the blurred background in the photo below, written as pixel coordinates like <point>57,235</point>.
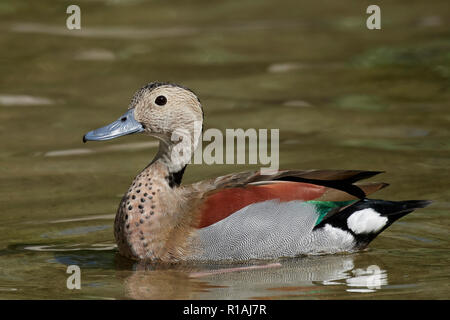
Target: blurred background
<point>343,97</point>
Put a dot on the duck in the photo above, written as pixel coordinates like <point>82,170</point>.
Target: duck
<point>239,216</point>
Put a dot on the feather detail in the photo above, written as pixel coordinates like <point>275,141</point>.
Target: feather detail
<point>225,202</point>
<point>227,194</point>
<point>332,194</point>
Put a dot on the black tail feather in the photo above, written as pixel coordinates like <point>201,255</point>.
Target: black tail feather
<point>345,184</point>
<point>392,210</point>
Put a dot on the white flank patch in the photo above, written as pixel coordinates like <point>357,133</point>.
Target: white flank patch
<point>366,221</point>
<point>338,235</point>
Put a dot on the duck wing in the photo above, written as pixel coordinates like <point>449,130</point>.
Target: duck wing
<point>328,189</point>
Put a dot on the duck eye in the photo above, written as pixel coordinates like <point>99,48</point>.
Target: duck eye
<point>161,100</point>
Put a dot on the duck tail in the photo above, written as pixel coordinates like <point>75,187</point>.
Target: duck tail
<point>367,218</point>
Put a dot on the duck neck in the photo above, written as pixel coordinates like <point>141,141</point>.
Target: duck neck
<point>150,222</point>
<point>176,153</point>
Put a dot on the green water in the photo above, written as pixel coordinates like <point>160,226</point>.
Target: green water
<point>343,97</point>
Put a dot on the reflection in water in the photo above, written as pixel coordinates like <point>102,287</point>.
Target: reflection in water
<point>236,269</point>
<point>302,277</point>
<point>163,284</point>
<point>367,280</point>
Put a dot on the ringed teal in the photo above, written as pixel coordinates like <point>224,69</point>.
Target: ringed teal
<point>238,216</point>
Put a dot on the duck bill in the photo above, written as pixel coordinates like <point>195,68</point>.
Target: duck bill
<point>126,124</point>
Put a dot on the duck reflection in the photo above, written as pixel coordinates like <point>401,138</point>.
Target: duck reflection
<point>367,280</point>
<point>310,277</point>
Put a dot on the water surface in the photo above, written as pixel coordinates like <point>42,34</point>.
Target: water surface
<point>342,96</point>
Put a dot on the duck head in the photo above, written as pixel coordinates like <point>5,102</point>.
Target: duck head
<point>169,112</point>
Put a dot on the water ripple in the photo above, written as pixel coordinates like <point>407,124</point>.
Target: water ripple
<point>74,247</point>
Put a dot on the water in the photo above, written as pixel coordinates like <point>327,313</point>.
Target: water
<point>342,96</point>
